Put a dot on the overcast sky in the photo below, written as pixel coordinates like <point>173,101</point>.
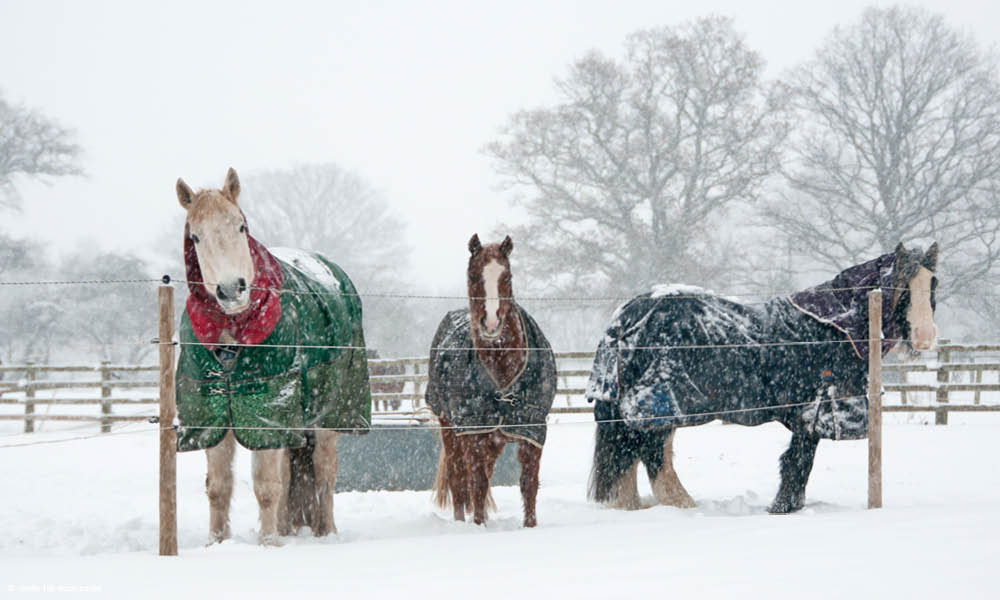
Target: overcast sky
<point>406,93</point>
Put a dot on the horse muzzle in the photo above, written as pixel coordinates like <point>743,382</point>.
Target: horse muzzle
<point>924,338</point>
<point>233,297</point>
<point>490,334</point>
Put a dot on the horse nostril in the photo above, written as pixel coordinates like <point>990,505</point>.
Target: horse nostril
<point>242,287</point>
<point>218,292</point>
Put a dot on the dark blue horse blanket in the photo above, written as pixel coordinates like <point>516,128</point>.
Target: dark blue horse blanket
<point>682,356</point>
<point>461,389</point>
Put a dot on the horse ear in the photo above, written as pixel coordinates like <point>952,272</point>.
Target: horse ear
<point>232,187</point>
<point>506,246</point>
<point>900,252</point>
<point>184,194</point>
<point>930,258</point>
<point>474,245</point>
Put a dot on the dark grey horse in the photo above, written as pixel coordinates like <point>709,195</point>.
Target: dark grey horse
<point>681,356</point>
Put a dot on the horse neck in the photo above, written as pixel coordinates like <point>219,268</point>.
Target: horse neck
<point>505,357</point>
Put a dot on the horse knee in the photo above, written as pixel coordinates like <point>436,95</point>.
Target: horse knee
<point>219,473</point>
<point>270,476</point>
<point>325,458</point>
<point>219,490</point>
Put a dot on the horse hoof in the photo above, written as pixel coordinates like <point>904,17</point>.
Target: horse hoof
<point>323,530</point>
<point>530,522</point>
<point>271,540</point>
<point>217,537</point>
<point>784,508</point>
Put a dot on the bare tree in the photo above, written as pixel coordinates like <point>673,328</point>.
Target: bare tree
<point>327,209</point>
<point>30,313</point>
<point>18,255</point>
<point>32,145</point>
<point>624,179</point>
<point>900,141</point>
<point>324,208</point>
<point>110,321</point>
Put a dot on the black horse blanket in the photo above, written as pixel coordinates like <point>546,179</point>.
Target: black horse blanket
<point>461,389</point>
<point>682,356</point>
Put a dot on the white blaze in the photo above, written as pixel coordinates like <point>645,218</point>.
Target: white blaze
<point>920,315</point>
<point>491,278</point>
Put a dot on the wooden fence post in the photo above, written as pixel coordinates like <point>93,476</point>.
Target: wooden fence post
<point>29,397</point>
<point>416,386</point>
<point>976,398</point>
<point>875,399</point>
<point>168,435</point>
<point>105,397</point>
<point>902,394</point>
<point>941,395</point>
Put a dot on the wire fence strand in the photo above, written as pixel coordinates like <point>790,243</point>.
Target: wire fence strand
<point>689,294</point>
<point>438,428</point>
<point>77,438</point>
<point>714,413</point>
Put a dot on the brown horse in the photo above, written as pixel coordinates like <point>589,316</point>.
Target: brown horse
<point>497,390</point>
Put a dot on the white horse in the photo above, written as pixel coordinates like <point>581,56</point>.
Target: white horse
<point>217,230</point>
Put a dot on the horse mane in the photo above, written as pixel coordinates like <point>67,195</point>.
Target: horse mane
<point>842,302</point>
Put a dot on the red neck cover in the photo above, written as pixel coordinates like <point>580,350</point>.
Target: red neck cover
<point>252,325</point>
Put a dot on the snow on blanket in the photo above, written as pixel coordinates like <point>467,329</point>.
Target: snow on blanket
<point>689,357</point>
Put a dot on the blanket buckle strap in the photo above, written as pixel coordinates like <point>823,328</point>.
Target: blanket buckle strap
<point>508,397</point>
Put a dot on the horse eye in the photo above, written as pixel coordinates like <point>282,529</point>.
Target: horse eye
<point>243,228</point>
<point>194,238</point>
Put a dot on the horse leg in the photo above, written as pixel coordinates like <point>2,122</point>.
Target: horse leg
<point>530,457</point>
<point>285,475</point>
<point>796,464</point>
<point>270,484</point>
<point>476,450</point>
<point>658,456</point>
<point>301,487</point>
<point>325,466</point>
<point>219,486</point>
<point>451,483</point>
<point>494,448</point>
<point>616,459</point>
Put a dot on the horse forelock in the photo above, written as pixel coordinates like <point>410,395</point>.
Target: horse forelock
<point>211,206</point>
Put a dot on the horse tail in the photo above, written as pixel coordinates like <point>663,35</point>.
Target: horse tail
<point>302,485</point>
<point>442,483</point>
<point>616,456</point>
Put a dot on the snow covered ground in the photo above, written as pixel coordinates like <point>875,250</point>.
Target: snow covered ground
<point>81,517</point>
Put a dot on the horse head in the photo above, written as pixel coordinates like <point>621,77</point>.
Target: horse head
<point>490,289</point>
<point>914,296</point>
<point>216,228</point>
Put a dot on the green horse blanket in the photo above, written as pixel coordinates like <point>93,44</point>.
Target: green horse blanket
<point>270,391</point>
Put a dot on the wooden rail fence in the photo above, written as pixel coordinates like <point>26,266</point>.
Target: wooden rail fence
<point>952,369</point>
